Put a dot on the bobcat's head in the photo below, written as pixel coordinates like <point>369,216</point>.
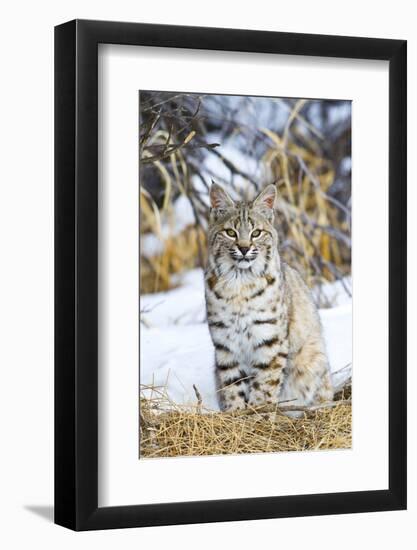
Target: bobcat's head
<point>241,234</point>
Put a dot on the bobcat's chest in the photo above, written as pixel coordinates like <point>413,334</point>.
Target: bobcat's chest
<point>241,317</point>
<point>247,329</point>
<point>241,336</point>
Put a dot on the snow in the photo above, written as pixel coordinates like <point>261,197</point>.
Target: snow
<point>176,350</point>
<point>182,306</point>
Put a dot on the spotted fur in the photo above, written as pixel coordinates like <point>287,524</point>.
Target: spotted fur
<point>263,323</point>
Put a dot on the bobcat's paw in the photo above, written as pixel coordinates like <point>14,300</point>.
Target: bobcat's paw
<point>234,406</point>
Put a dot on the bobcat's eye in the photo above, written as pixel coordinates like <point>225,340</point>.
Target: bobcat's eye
<point>256,233</point>
<point>231,233</point>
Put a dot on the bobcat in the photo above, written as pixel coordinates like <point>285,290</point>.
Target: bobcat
<point>264,325</point>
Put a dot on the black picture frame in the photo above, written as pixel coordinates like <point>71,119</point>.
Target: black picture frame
<point>76,272</point>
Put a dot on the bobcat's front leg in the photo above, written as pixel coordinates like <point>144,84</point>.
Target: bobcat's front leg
<point>266,380</point>
<point>232,381</point>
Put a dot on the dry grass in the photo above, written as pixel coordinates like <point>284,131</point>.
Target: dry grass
<point>191,431</point>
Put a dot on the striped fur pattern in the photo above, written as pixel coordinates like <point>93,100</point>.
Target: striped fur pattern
<point>263,323</point>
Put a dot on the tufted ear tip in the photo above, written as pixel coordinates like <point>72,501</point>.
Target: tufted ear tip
<point>219,198</point>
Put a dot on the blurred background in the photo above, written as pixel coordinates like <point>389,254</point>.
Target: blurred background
<point>244,143</point>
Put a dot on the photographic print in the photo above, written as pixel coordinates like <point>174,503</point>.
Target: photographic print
<point>203,275</point>
<point>245,274</point>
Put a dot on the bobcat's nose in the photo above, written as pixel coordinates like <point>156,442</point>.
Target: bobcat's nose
<point>244,249</point>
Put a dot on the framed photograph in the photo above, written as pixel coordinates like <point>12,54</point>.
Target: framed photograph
<point>230,254</point>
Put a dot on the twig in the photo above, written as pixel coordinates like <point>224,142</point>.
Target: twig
<point>290,408</point>
<point>343,368</point>
<point>235,170</point>
<point>199,398</point>
<point>173,148</point>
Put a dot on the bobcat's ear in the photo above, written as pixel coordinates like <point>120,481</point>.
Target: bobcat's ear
<point>219,199</point>
<point>267,198</point>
